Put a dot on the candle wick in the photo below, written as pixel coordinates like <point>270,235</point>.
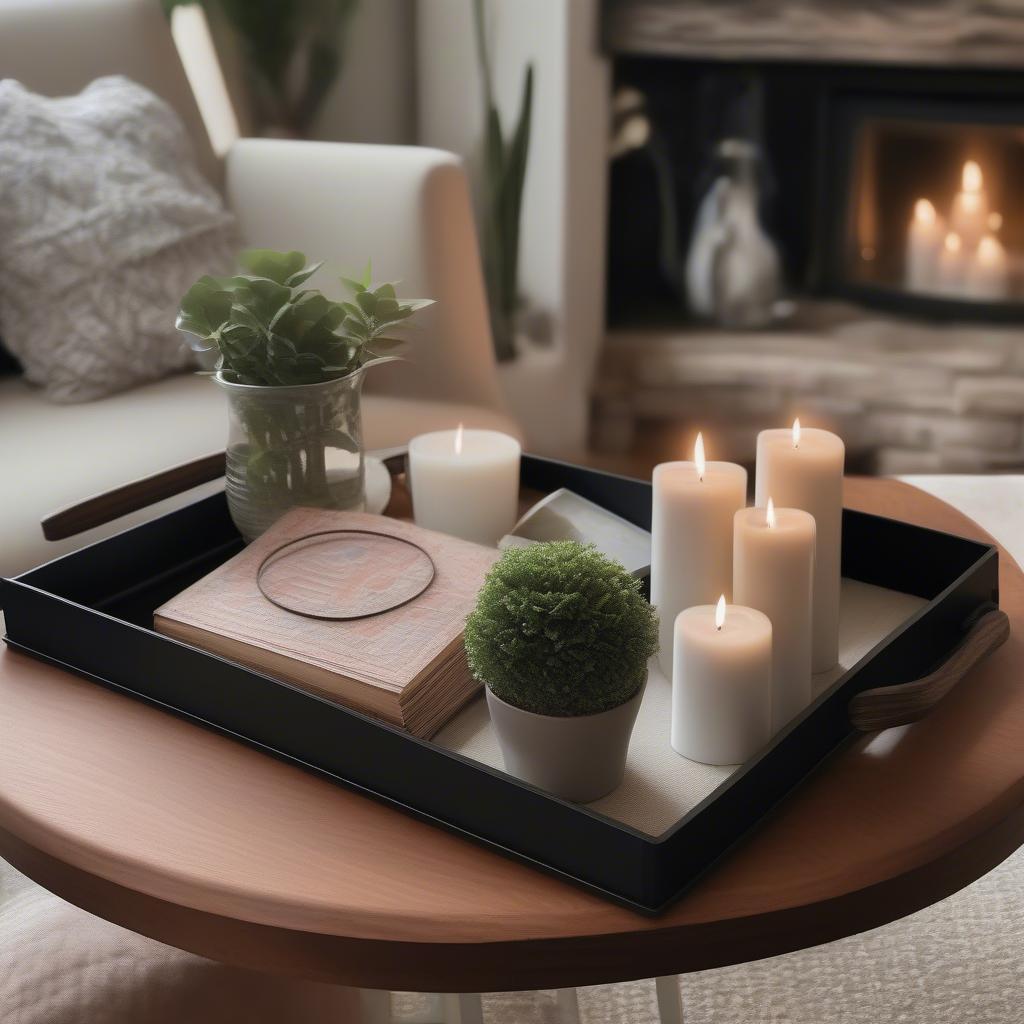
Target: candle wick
<point>718,629</point>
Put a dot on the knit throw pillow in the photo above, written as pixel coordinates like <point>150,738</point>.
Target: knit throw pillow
<point>105,223</point>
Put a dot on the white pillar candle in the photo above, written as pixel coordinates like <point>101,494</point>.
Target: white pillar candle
<point>721,683</point>
<point>987,270</point>
<point>924,239</point>
<point>969,216</point>
<point>804,469</point>
<point>691,537</point>
<point>951,270</point>
<point>465,482</point>
<point>773,571</point>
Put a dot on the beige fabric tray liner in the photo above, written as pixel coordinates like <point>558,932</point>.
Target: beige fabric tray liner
<point>660,786</point>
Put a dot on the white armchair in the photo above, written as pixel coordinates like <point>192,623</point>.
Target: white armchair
<point>405,207</point>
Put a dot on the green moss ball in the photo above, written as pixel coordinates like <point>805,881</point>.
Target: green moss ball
<point>561,630</point>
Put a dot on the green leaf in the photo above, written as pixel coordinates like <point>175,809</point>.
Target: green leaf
<point>359,328</point>
<point>204,309</point>
<point>353,286</point>
<point>275,266</point>
<point>303,275</point>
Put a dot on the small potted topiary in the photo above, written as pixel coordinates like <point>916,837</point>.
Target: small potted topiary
<point>561,637</point>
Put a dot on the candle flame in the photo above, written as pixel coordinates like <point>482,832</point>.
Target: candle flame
<point>952,243</point>
<point>458,440</point>
<point>769,514</point>
<point>720,613</point>
<point>924,212</point>
<point>698,456</point>
<point>971,178</point>
<point>796,432</point>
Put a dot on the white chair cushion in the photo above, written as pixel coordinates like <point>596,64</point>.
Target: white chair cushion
<point>54,455</point>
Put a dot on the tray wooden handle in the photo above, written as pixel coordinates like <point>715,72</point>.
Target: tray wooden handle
<point>100,509</point>
<point>888,706</point>
<point>130,497</point>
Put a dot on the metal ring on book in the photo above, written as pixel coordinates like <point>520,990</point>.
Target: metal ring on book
<point>390,576</point>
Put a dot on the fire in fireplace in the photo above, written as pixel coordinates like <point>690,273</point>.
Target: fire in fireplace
<point>932,220</point>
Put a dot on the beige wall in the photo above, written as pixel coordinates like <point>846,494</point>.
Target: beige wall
<point>561,268</point>
<point>374,99</point>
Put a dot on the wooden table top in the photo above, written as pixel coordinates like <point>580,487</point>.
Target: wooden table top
<point>201,842</point>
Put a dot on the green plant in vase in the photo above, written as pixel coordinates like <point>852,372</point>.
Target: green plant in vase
<point>292,361</point>
<point>561,637</point>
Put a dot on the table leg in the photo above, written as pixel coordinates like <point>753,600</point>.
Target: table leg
<point>374,1006</point>
<point>450,1008</point>
<point>467,1007</point>
<point>463,1008</point>
<point>567,1006</point>
<point>670,1002</point>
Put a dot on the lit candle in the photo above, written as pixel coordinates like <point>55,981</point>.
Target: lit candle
<point>721,683</point>
<point>986,273</point>
<point>924,238</point>
<point>691,536</point>
<point>952,265</point>
<point>773,571</point>
<point>969,216</point>
<point>804,469</point>
<point>465,482</point>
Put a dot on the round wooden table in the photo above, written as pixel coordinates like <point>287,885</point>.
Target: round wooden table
<point>203,843</point>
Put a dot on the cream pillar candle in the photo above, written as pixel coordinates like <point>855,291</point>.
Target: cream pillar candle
<point>987,270</point>
<point>804,469</point>
<point>924,239</point>
<point>951,269</point>
<point>465,482</point>
<point>691,537</point>
<point>773,571</point>
<point>721,683</point>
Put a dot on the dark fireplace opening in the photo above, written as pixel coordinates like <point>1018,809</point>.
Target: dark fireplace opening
<point>896,187</point>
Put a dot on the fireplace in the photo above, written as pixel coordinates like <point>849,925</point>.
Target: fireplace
<point>897,188</point>
<point>865,161</point>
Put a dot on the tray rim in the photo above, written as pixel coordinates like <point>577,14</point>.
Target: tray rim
<point>985,553</point>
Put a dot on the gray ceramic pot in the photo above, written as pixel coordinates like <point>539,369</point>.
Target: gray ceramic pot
<point>579,758</point>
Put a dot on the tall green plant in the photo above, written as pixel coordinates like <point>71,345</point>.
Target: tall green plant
<point>293,52</point>
<point>504,172</point>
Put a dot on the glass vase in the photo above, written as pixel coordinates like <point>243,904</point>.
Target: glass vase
<point>292,446</point>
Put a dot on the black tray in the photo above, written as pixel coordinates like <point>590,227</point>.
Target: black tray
<point>91,612</point>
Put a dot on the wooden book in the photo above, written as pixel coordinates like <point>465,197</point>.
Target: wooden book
<point>406,666</point>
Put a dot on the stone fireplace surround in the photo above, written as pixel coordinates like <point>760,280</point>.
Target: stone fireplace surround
<point>908,396</point>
